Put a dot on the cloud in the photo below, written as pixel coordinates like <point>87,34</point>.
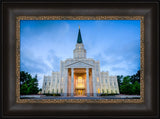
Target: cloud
<point>116,44</point>
<point>39,66</point>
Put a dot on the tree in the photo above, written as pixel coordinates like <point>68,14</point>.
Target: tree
<point>136,77</point>
<point>119,79</point>
<point>130,84</point>
<point>24,89</point>
<point>40,89</point>
<point>24,77</point>
<point>28,85</point>
<point>126,87</point>
<point>33,87</point>
<point>136,88</point>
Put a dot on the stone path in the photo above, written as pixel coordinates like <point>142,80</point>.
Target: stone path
<point>98,97</point>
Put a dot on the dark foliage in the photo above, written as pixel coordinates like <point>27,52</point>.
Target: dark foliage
<point>55,94</point>
<point>105,94</point>
<point>28,85</point>
<point>130,84</point>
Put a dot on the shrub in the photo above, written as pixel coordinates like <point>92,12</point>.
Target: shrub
<point>54,94</point>
<point>105,94</point>
<point>48,94</point>
<point>57,94</point>
<point>112,94</point>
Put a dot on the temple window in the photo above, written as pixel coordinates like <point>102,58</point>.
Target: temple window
<point>99,91</point>
<point>97,79</point>
<point>80,83</point>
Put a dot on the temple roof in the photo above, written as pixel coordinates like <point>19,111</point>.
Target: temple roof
<point>79,39</point>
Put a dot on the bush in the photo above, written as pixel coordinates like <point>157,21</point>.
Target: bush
<point>105,94</point>
<point>54,94</point>
<point>48,94</point>
<point>57,94</point>
<point>112,94</point>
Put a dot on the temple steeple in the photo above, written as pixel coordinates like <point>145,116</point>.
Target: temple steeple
<point>79,52</point>
<point>79,39</point>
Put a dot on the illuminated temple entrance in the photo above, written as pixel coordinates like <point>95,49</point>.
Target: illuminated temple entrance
<point>79,87</point>
<point>80,76</point>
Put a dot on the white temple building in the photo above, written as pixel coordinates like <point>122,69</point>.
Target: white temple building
<point>80,76</point>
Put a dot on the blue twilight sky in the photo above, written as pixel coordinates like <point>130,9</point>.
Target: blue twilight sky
<point>44,43</point>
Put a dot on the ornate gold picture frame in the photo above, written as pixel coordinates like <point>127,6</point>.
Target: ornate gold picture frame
<point>141,18</point>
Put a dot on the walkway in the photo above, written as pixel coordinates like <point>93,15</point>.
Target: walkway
<point>98,97</point>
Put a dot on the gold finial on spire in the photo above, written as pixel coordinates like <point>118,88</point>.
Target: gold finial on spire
<point>79,26</point>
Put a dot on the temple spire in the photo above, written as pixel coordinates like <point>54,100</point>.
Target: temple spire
<point>79,39</point>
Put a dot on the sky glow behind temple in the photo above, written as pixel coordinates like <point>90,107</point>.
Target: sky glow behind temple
<point>44,43</point>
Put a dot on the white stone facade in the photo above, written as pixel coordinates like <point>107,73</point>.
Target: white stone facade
<point>80,76</point>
